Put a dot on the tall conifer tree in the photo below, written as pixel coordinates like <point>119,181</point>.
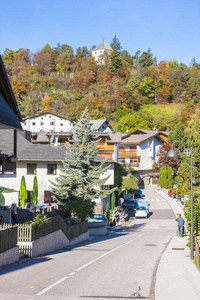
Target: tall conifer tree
<point>77,184</point>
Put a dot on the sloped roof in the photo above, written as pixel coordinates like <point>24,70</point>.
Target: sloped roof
<point>103,46</point>
<point>145,131</point>
<point>115,137</point>
<point>32,152</point>
<point>140,138</point>
<point>9,113</point>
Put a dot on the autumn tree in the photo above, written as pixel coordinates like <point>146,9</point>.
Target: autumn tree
<point>44,60</point>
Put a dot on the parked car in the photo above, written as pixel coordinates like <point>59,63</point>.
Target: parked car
<point>141,212</point>
<point>143,204</point>
<point>130,204</point>
<point>97,219</point>
<point>137,194</point>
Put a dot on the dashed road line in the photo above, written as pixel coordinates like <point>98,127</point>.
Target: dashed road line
<point>51,286</point>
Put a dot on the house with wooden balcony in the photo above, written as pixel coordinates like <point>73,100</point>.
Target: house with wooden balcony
<point>109,139</point>
<point>139,148</point>
<point>42,161</point>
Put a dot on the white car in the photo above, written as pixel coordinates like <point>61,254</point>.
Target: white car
<point>141,212</point>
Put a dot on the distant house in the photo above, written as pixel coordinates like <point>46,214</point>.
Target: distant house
<point>99,50</point>
<point>109,139</point>
<point>10,117</point>
<point>139,148</point>
<point>46,122</point>
<point>42,161</point>
<point>45,128</point>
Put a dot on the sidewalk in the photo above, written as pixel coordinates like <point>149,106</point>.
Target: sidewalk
<point>177,276</point>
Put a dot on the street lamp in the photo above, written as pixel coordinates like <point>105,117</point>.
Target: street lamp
<point>173,153</point>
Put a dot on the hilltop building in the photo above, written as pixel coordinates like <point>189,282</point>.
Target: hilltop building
<point>99,50</point>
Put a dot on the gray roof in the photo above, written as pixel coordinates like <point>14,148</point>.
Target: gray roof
<point>103,46</point>
<point>139,138</point>
<point>96,124</point>
<point>42,137</point>
<point>32,152</point>
<point>115,137</point>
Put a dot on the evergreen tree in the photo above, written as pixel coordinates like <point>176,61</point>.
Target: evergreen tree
<point>113,200</point>
<point>170,177</point>
<point>115,57</point>
<point>22,192</point>
<point>35,190</point>
<point>107,213</point>
<point>77,184</point>
<point>163,177</point>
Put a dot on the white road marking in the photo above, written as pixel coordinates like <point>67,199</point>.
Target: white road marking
<point>71,273</point>
<point>91,262</point>
<point>84,266</point>
<point>51,286</point>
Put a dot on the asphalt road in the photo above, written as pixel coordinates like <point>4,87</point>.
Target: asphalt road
<point>119,265</point>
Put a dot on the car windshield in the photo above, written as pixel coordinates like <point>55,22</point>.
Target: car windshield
<point>99,217</point>
<point>141,208</point>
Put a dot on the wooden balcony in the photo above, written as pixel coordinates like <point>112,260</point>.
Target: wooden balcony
<point>130,153</point>
<point>105,146</point>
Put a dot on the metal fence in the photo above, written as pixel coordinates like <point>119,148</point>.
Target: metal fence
<point>8,237</point>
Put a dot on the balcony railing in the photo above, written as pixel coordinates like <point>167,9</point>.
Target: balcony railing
<point>123,153</point>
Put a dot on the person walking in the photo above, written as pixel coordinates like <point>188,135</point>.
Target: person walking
<point>181,223</point>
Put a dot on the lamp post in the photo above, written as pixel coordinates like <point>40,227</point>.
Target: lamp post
<point>176,173</point>
<point>173,153</point>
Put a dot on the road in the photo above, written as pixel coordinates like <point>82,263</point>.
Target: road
<point>119,265</point>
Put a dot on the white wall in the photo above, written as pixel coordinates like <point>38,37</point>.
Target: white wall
<point>46,119</point>
<point>147,151</point>
<point>97,53</point>
<point>42,178</point>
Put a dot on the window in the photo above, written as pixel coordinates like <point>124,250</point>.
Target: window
<point>95,52</point>
<point>33,123</point>
<point>31,169</point>
<point>41,123</point>
<point>100,51</point>
<point>61,124</point>
<point>51,169</point>
<point>48,196</point>
<point>52,123</point>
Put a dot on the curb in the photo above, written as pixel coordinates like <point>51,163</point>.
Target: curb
<point>153,281</point>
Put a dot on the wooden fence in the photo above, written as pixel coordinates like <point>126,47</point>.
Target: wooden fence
<point>11,235</point>
<point>197,251</point>
<point>29,233</point>
<point>8,237</point>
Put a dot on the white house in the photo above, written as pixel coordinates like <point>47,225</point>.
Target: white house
<point>99,50</point>
<point>46,122</point>
<point>40,160</point>
<point>139,148</point>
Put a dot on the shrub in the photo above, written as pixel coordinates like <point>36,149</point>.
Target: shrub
<point>39,221</point>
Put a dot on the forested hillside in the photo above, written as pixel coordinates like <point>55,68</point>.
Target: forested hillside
<point>63,81</point>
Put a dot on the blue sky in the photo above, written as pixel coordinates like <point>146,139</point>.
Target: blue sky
<point>170,28</point>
